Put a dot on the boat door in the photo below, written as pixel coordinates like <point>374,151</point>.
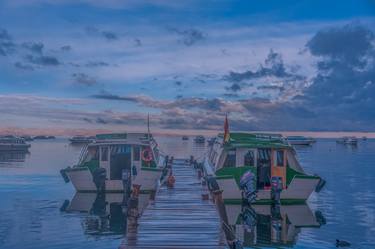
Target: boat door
<point>278,167</point>
<point>120,160</point>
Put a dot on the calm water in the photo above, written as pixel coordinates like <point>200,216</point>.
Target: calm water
<point>32,193</point>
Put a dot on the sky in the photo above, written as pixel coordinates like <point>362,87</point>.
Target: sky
<point>70,66</point>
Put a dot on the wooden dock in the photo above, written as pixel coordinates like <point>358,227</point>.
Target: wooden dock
<point>178,218</point>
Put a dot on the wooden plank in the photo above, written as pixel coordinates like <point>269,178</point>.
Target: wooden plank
<point>178,218</point>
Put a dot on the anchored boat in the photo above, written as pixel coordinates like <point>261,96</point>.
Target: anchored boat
<point>13,143</point>
<point>199,139</point>
<point>114,162</point>
<point>257,167</point>
<point>300,140</point>
<point>81,140</point>
<point>347,141</point>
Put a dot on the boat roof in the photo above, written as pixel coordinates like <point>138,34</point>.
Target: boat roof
<point>122,138</point>
<point>255,140</point>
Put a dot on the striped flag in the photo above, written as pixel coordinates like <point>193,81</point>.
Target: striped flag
<point>226,129</point>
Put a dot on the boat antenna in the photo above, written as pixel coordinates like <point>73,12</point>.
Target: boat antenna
<point>148,127</point>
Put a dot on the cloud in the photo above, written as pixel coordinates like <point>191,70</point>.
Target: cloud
<point>66,48</point>
<point>22,66</point>
<point>96,64</point>
<point>42,60</point>
<point>235,87</point>
<point>7,45</point>
<point>34,47</point>
<point>84,79</point>
<point>189,36</point>
<point>108,35</point>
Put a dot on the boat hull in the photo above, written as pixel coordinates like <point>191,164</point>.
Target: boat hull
<point>83,181</point>
<point>298,191</point>
<point>14,147</point>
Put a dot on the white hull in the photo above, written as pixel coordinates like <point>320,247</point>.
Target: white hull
<point>299,189</point>
<point>82,180</point>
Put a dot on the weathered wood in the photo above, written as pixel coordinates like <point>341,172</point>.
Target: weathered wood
<point>179,218</point>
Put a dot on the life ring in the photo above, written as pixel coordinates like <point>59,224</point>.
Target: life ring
<point>146,155</point>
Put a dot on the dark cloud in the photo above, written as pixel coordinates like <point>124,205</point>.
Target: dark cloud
<point>7,45</point>
<point>138,42</point>
<point>189,36</point>
<point>66,48</point>
<point>34,47</point>
<point>178,83</point>
<point>108,35</point>
<point>271,87</point>
<point>96,64</point>
<point>235,87</point>
<point>273,67</point>
<point>42,60</point>
<point>84,79</point>
<point>22,66</point>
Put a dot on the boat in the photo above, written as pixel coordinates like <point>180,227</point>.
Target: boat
<point>300,140</point>
<point>81,140</point>
<point>185,138</point>
<point>347,141</point>
<point>199,139</point>
<point>13,143</point>
<point>42,137</point>
<point>270,226</point>
<point>262,158</point>
<point>115,162</point>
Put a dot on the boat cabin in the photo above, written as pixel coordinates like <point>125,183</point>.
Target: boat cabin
<point>266,155</point>
<point>119,152</point>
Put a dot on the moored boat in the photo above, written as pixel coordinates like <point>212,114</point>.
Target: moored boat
<point>81,140</point>
<point>348,140</point>
<point>199,139</point>
<point>265,163</point>
<point>115,162</point>
<point>300,140</point>
<point>185,138</point>
<point>13,143</point>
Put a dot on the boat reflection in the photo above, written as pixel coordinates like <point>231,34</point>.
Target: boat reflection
<point>109,213</point>
<point>13,156</point>
<point>266,225</point>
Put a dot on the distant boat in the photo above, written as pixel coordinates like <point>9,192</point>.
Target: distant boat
<point>42,137</point>
<point>347,140</point>
<point>27,138</point>
<point>300,140</point>
<point>13,143</point>
<point>185,138</point>
<point>81,140</point>
<point>199,139</point>
<point>364,138</point>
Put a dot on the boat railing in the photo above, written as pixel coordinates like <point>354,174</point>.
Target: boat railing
<point>82,154</point>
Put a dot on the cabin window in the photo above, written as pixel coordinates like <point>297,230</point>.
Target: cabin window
<point>136,153</point>
<point>249,159</point>
<point>279,158</point>
<point>230,161</point>
<point>104,154</point>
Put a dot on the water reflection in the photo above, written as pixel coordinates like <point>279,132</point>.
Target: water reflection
<point>13,156</point>
<point>108,214</point>
<point>266,225</point>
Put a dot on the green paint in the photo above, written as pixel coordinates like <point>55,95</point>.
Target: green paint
<point>255,140</point>
<point>112,136</point>
<point>151,169</point>
<point>234,172</point>
<point>265,201</point>
<point>291,174</point>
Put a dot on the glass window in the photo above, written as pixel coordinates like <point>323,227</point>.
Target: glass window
<point>136,153</point>
<point>279,158</point>
<point>104,154</point>
<point>249,158</point>
<point>230,161</point>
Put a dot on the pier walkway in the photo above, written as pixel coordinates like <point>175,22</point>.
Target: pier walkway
<point>179,218</point>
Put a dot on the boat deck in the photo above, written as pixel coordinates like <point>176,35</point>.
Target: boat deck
<point>179,218</point>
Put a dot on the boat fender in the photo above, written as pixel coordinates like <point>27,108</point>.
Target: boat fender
<point>64,206</point>
<point>64,175</point>
<point>146,155</point>
<point>320,218</point>
<point>342,243</point>
<point>320,185</point>
<point>212,184</point>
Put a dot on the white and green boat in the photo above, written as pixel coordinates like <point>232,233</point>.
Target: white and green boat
<point>264,155</point>
<point>110,157</point>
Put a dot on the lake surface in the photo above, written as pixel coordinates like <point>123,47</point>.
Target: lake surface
<point>32,193</point>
